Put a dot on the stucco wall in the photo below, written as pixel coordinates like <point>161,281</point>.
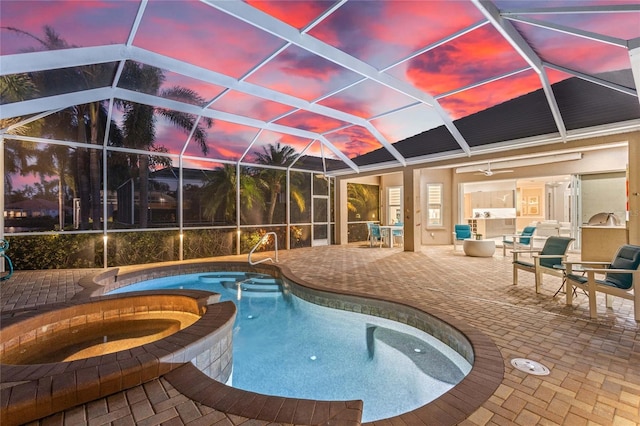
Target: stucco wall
<point>601,154</point>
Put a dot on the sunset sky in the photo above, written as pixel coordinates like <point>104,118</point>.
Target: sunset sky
<point>402,39</point>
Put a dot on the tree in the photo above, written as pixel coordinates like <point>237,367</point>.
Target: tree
<point>139,125</point>
<point>272,179</point>
<point>219,194</point>
<point>15,88</point>
<point>362,200</point>
<point>54,160</point>
<point>83,118</point>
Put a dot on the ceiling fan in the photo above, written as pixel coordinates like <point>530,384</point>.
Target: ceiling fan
<point>489,172</point>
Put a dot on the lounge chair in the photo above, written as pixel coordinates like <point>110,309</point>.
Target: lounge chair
<point>519,241</point>
<point>460,233</point>
<point>618,278</point>
<point>548,260</point>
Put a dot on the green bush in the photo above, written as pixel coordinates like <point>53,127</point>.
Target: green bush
<point>250,237</point>
<point>69,251</point>
<point>60,251</point>
<point>134,248</point>
<point>203,243</point>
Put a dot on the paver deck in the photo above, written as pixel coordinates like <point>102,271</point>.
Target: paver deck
<point>595,364</point>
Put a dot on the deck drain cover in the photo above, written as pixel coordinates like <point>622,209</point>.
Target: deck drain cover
<point>529,366</point>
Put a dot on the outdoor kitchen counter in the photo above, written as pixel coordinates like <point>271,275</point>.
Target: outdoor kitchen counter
<point>600,243</point>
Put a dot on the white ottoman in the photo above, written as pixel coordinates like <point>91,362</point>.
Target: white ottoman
<point>479,248</point>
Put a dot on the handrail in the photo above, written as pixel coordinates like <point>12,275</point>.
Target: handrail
<point>264,237</point>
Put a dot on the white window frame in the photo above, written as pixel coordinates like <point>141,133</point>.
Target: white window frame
<point>436,206</point>
<point>394,204</point>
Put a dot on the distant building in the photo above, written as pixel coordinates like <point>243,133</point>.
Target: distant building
<point>36,207</point>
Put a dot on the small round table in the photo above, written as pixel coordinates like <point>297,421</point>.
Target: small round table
<point>479,248</point>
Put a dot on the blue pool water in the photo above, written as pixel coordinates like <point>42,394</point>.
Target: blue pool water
<point>285,346</point>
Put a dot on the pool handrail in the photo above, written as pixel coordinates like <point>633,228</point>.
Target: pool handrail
<point>263,239</point>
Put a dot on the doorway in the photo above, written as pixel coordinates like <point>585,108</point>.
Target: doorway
<point>500,207</point>
<point>320,211</point>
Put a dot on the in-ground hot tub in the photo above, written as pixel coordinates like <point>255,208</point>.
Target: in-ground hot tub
<point>56,357</point>
<point>59,343</point>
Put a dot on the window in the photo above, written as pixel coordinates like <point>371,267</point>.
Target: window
<point>395,205</point>
<point>434,204</point>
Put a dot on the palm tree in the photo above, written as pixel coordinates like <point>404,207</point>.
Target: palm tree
<point>79,118</point>
<point>14,88</point>
<point>362,200</point>
<point>300,193</point>
<point>54,160</point>
<point>139,125</point>
<point>272,180</point>
<point>219,194</point>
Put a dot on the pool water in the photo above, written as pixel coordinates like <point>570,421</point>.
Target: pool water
<point>285,346</point>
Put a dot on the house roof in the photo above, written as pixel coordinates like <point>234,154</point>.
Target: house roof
<point>584,105</point>
<point>347,83</point>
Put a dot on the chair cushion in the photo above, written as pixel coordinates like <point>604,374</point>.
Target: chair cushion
<point>578,278</point>
<point>554,245</point>
<point>527,231</point>
<point>628,257</point>
<point>462,231</point>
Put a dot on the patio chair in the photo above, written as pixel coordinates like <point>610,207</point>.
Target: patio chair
<point>619,278</point>
<point>375,236</point>
<point>460,233</point>
<point>398,233</point>
<point>545,261</point>
<point>520,241</point>
<point>369,230</point>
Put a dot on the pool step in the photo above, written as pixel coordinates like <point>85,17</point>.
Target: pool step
<point>250,282</point>
<point>427,358</point>
<point>218,277</point>
<point>261,285</point>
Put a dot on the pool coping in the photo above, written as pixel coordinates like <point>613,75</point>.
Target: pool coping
<point>33,391</point>
<point>457,404</point>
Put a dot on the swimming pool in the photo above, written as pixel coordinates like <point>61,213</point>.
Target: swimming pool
<point>286,346</point>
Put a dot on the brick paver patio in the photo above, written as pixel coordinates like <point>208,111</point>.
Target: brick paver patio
<point>595,364</point>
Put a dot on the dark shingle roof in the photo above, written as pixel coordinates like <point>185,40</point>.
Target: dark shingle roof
<point>581,103</point>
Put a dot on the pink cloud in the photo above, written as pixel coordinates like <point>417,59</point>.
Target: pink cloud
<point>400,27</point>
<point>577,53</point>
<point>477,56</point>
<point>205,90</point>
<point>204,36</point>
<point>79,23</point>
<point>295,13</point>
<point>353,141</point>
<point>272,138</point>
<point>309,121</point>
<point>226,141</point>
<point>298,73</point>
<point>621,25</point>
<point>480,98</point>
<point>243,104</point>
<point>169,136</point>
<point>367,99</point>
